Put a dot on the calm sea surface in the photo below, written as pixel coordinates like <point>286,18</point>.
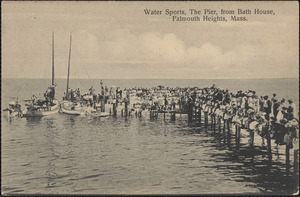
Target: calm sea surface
<point>64,154</point>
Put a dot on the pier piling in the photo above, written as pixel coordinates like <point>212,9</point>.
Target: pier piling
<point>199,115</point>
<point>214,122</point>
<point>205,119</point>
<point>211,122</point>
<point>251,139</point>
<point>190,113</point>
<point>219,133</point>
<point>237,137</point>
<point>269,148</point>
<point>296,163</point>
<point>114,109</point>
<point>224,134</point>
<point>228,134</point>
<point>173,117</point>
<point>287,159</point>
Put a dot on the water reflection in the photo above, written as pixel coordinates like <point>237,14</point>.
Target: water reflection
<point>33,121</point>
<point>253,166</point>
<point>135,152</point>
<point>52,155</point>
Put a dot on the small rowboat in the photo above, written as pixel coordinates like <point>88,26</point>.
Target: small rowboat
<point>73,108</point>
<point>13,110</point>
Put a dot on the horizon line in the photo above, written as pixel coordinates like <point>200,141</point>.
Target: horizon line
<point>151,78</point>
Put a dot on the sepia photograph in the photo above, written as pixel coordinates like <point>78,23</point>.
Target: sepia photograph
<point>144,97</point>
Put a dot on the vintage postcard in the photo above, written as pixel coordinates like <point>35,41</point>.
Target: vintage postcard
<point>149,97</point>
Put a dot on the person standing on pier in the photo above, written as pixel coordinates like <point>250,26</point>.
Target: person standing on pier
<point>261,103</point>
<point>256,103</point>
<point>205,108</point>
<point>92,90</point>
<point>244,102</point>
<point>101,83</point>
<point>273,101</point>
<point>166,102</point>
<point>292,108</point>
<point>102,91</point>
<point>267,107</point>
<point>275,108</point>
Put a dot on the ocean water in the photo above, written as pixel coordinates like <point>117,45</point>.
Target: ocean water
<point>62,154</point>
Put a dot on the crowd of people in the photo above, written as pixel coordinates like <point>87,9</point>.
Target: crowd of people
<point>252,112</point>
<point>274,116</point>
<point>277,116</point>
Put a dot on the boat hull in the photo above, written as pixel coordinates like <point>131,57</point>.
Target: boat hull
<point>70,108</point>
<point>40,113</point>
<point>66,107</point>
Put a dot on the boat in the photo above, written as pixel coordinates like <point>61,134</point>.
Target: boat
<point>48,105</point>
<point>73,108</point>
<point>74,104</point>
<point>40,108</point>
<point>68,105</point>
<point>76,108</point>
<point>97,113</point>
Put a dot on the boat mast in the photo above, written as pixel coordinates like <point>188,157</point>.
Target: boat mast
<point>67,91</point>
<point>52,58</point>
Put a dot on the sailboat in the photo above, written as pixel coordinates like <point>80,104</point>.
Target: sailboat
<point>69,105</point>
<point>38,107</point>
<point>73,106</point>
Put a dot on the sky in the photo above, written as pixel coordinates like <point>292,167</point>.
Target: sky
<point>116,40</point>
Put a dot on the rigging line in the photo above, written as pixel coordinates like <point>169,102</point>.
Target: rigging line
<point>67,91</point>
<point>53,58</point>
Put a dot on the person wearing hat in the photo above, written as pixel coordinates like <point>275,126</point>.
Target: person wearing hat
<point>244,104</point>
<point>279,129</point>
<point>239,99</point>
<point>292,109</point>
<point>275,108</point>
<point>274,97</point>
<point>250,119</point>
<point>233,102</point>
<point>280,110</point>
<point>267,107</point>
<point>255,102</point>
<point>206,107</point>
